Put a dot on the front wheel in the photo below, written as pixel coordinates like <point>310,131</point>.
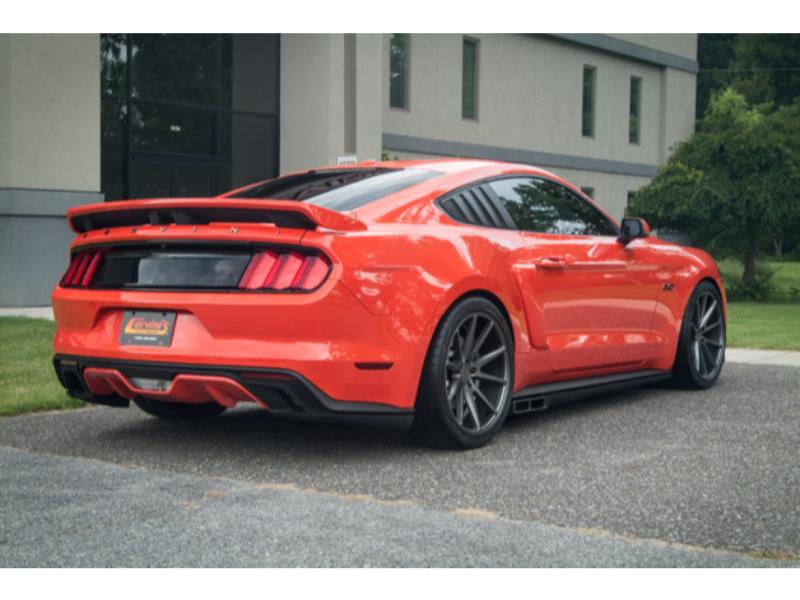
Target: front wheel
<point>701,347</point>
<point>465,389</point>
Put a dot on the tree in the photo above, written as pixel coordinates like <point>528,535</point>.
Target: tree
<point>765,68</point>
<point>732,186</point>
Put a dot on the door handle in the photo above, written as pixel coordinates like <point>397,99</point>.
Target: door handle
<point>551,263</point>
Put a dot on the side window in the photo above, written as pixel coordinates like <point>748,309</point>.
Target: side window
<point>542,206</point>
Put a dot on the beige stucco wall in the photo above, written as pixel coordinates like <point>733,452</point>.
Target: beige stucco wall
<point>530,97</point>
<point>682,44</point>
<point>5,110</point>
<point>315,97</point>
<point>49,112</point>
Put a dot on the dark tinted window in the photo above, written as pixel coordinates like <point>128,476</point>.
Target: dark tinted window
<point>398,70</point>
<point>469,80</point>
<point>634,120</point>
<point>339,189</point>
<point>587,114</point>
<point>546,207</point>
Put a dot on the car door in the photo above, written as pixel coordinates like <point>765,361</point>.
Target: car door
<point>589,299</point>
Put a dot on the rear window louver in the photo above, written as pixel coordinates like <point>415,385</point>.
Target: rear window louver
<point>475,206</point>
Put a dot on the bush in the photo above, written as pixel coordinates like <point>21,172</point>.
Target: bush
<point>762,289</point>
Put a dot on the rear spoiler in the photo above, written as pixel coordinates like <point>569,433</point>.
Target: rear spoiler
<point>202,211</point>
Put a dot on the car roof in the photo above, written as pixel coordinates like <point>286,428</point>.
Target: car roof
<point>454,172</point>
<point>453,165</point>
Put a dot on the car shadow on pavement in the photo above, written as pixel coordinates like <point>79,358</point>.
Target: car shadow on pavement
<point>251,431</point>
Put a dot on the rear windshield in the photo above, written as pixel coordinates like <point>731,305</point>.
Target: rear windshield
<point>339,190</point>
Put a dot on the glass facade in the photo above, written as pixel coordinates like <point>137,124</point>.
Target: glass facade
<point>187,115</point>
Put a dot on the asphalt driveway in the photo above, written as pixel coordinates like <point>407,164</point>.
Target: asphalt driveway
<point>652,477</point>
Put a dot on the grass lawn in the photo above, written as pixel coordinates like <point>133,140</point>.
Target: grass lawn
<point>770,325</point>
<point>786,275</point>
<point>764,325</point>
<point>27,379</point>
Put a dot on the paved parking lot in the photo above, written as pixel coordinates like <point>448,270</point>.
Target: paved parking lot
<point>647,477</point>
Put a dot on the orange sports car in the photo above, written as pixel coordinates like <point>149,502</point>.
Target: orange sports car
<point>443,295</point>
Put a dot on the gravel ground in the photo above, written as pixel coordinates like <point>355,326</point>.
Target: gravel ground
<point>650,477</point>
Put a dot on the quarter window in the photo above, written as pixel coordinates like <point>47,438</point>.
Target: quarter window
<point>543,206</point>
<point>398,70</point>
<point>634,120</point>
<point>589,83</point>
<point>469,81</point>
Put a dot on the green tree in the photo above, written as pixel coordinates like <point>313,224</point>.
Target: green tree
<point>732,185</point>
<point>765,68</point>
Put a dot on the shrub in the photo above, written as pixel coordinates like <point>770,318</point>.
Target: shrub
<point>762,288</point>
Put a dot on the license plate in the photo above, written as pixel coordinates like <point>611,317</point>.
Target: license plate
<point>147,328</point>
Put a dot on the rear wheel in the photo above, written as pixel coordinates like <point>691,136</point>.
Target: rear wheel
<point>465,389</point>
<point>701,347</point>
<point>176,411</point>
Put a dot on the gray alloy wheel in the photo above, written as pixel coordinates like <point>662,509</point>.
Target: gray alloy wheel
<point>708,335</point>
<point>701,347</point>
<point>477,374</point>
<point>467,379</point>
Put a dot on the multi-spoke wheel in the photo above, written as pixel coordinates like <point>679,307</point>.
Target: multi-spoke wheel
<point>701,349</point>
<point>476,377</point>
<point>465,390</point>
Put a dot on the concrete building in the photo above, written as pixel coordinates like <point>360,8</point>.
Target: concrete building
<point>88,117</point>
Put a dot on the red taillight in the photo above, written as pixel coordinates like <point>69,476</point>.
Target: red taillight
<point>82,268</point>
<point>284,271</point>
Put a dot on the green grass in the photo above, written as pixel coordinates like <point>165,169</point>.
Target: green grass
<point>27,380</point>
<point>764,325</point>
<point>785,276</point>
<point>773,325</point>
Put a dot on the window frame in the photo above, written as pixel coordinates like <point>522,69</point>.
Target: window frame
<point>476,77</point>
<point>502,209</point>
<point>407,75</point>
<point>638,140</point>
<point>593,107</point>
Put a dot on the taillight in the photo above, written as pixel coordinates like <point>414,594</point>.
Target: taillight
<point>285,271</point>
<point>82,268</point>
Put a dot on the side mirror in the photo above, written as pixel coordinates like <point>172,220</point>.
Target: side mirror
<point>632,228</point>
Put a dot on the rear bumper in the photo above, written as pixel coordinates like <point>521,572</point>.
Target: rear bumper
<point>282,392</point>
<point>326,337</point>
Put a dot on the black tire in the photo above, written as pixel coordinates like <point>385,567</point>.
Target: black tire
<point>701,352</point>
<point>436,417</point>
<point>177,411</point>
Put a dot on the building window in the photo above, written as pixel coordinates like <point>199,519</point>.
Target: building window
<point>398,71</point>
<point>634,123</point>
<point>187,115</point>
<point>589,83</point>
<point>469,80</point>
<point>589,191</point>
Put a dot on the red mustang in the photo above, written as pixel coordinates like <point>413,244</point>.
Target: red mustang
<point>448,293</point>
